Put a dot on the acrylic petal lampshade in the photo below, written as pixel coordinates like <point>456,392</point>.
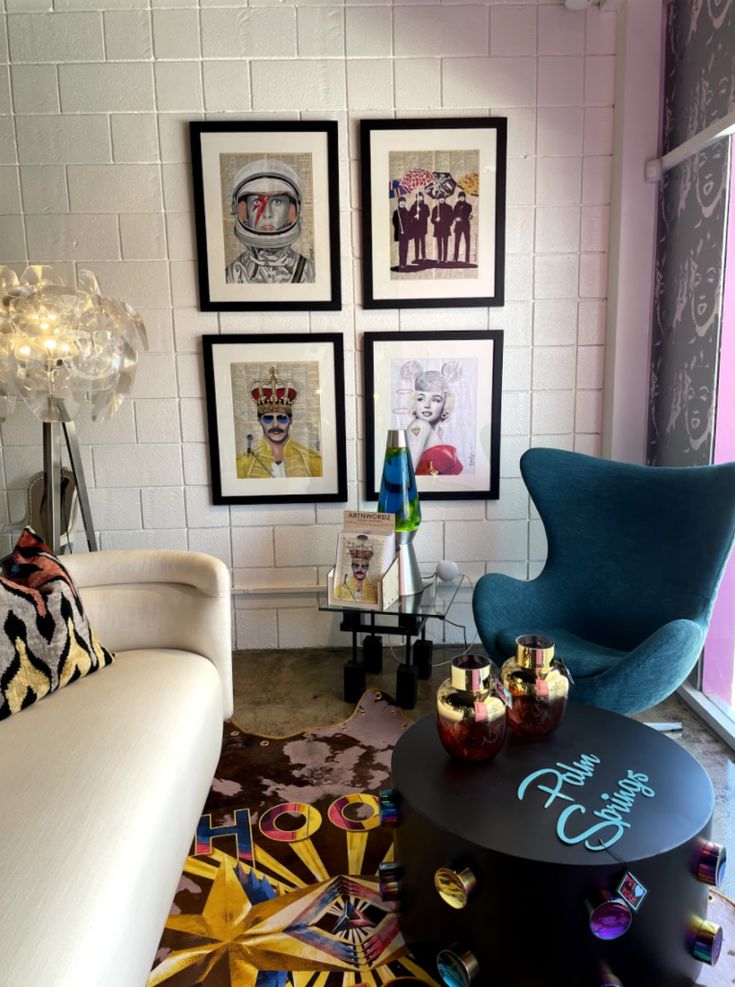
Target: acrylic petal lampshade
<point>64,346</point>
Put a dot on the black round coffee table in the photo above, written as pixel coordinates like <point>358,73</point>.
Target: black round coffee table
<point>538,842</point>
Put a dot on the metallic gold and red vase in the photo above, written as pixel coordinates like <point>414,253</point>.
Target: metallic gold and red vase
<point>470,715</point>
<point>538,687</point>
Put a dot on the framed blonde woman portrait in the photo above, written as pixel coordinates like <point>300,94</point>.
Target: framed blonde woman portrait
<point>275,412</point>
<point>266,205</point>
<point>433,211</point>
<point>444,389</point>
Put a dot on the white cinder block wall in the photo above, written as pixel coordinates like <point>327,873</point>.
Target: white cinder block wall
<point>95,96</point>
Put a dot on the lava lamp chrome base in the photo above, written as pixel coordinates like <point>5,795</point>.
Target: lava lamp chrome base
<point>409,577</point>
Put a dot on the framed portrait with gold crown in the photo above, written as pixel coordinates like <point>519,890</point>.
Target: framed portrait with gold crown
<point>275,414</point>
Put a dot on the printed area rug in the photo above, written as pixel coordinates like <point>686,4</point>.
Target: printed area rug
<point>282,891</point>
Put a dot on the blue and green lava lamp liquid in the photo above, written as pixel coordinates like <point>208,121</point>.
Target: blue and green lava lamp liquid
<point>398,492</point>
<point>399,496</point>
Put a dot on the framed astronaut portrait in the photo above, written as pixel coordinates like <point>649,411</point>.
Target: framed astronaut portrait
<point>266,206</point>
<point>433,212</point>
<point>444,389</point>
<point>275,415</point>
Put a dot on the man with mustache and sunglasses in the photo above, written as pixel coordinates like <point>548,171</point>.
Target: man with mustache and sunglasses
<point>276,453</point>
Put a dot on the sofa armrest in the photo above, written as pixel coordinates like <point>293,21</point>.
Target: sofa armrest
<point>146,598</point>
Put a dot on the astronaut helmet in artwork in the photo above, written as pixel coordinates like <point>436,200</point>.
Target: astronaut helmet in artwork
<point>266,204</point>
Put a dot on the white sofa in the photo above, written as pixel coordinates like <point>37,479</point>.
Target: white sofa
<point>103,782</point>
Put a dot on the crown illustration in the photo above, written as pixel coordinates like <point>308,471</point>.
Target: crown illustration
<point>272,394</point>
<point>361,549</point>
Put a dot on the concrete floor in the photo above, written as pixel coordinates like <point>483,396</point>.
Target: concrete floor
<point>279,693</point>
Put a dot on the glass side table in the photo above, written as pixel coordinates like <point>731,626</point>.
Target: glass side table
<point>412,613</point>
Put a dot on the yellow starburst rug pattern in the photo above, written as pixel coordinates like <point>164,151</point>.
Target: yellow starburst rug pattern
<point>281,889</point>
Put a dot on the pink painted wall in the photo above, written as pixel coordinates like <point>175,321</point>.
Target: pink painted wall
<point>719,649</point>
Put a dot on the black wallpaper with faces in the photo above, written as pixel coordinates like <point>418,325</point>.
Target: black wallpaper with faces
<point>692,224</point>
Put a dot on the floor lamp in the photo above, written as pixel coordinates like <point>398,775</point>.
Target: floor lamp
<point>62,348</point>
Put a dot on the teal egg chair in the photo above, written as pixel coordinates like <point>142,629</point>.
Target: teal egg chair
<point>635,557</point>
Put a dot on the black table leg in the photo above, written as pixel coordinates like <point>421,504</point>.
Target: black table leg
<point>354,675</point>
<point>423,652</point>
<point>372,650</point>
<point>354,684</point>
<point>406,686</point>
<point>406,679</point>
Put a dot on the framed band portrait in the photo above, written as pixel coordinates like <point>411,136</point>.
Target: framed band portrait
<point>275,411</point>
<point>433,211</point>
<point>444,389</point>
<point>266,204</point>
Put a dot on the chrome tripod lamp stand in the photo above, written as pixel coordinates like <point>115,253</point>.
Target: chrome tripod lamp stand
<point>61,348</point>
<point>399,495</point>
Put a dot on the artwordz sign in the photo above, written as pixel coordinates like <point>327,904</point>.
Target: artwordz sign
<point>617,805</point>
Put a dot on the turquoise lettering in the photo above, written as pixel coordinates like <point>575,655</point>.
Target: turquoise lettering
<point>574,774</point>
<point>579,771</point>
<point>611,814</point>
<point>612,825</point>
<point>638,778</point>
<point>618,830</point>
<point>620,801</point>
<point>554,793</point>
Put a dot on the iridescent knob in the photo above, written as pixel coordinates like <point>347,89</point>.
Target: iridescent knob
<point>457,967</point>
<point>388,805</point>
<point>609,917</point>
<point>706,941</point>
<point>607,978</point>
<point>711,863</point>
<point>389,880</point>
<point>455,887</point>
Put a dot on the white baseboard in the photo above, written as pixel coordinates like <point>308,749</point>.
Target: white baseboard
<point>714,712</point>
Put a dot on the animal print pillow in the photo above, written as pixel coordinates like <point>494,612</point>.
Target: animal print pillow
<point>45,641</point>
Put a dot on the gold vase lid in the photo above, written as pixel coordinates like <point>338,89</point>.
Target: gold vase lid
<point>534,651</point>
<point>470,673</point>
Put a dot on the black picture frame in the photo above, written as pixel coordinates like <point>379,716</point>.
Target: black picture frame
<point>242,372</point>
<point>304,155</point>
<point>434,157</point>
<point>453,460</point>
